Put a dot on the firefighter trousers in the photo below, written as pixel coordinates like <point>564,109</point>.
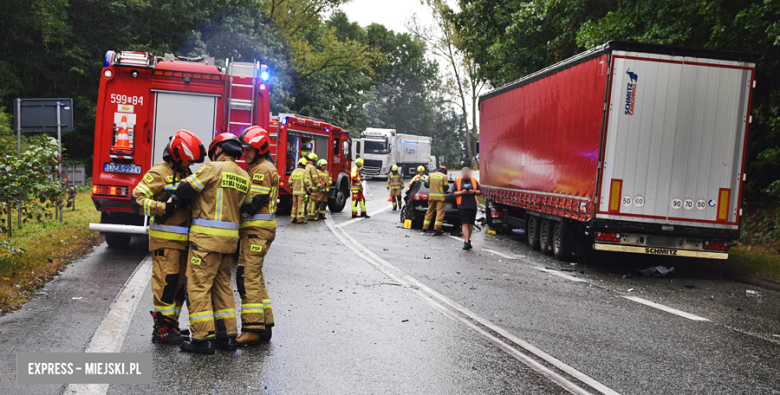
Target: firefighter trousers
<point>313,206</point>
<point>169,267</point>
<point>395,195</point>
<point>437,207</point>
<point>298,208</point>
<point>357,197</point>
<point>256,313</point>
<point>323,203</point>
<point>210,300</point>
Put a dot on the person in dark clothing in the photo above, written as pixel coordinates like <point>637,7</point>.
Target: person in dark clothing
<point>466,191</point>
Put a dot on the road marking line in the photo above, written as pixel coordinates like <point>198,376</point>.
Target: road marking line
<point>110,335</point>
<point>353,220</point>
<point>499,254</point>
<point>665,308</point>
<point>559,274</point>
<point>455,238</point>
<point>428,295</point>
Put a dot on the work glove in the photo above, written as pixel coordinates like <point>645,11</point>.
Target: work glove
<point>446,187</point>
<point>259,201</point>
<point>169,208</point>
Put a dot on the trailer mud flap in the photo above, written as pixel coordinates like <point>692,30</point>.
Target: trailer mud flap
<point>660,251</point>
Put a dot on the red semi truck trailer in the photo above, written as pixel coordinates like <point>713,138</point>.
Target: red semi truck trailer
<point>143,100</point>
<point>301,135</point>
<point>626,147</point>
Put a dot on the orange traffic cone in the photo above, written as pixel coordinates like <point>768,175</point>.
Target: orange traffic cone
<point>390,198</point>
<point>122,139</point>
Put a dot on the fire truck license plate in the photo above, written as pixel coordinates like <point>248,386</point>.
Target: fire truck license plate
<point>121,168</point>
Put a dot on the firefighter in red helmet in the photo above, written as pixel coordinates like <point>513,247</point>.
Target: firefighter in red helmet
<point>217,191</point>
<point>257,231</point>
<point>168,231</point>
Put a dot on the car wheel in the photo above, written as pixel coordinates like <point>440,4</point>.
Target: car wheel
<point>532,231</point>
<point>118,240</point>
<point>561,242</point>
<point>545,236</point>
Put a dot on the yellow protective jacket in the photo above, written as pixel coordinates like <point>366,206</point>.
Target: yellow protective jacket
<point>264,181</point>
<point>356,180</point>
<point>299,181</point>
<point>436,182</point>
<point>417,178</point>
<point>314,176</point>
<point>149,198</point>
<point>326,180</point>
<point>395,181</point>
<point>222,187</point>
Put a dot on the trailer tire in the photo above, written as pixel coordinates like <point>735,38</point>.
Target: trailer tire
<point>561,242</point>
<point>338,203</point>
<point>532,232</point>
<point>118,241</point>
<point>545,236</point>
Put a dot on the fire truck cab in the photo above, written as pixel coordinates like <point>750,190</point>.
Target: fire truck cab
<point>295,136</point>
<point>143,101</point>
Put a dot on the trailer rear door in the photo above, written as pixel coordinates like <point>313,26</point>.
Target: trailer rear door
<point>176,111</point>
<point>675,140</point>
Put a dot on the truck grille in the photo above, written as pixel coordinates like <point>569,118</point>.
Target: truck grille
<point>372,167</point>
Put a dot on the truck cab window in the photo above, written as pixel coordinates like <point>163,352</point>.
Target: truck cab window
<point>375,147</point>
<point>336,146</point>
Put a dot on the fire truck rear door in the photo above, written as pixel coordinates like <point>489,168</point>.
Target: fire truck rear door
<point>175,111</point>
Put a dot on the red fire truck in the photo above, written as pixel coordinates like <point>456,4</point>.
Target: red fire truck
<point>143,101</point>
<point>301,135</point>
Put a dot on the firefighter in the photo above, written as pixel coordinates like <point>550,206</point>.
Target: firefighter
<point>327,180</point>
<point>168,231</point>
<point>300,183</point>
<point>420,175</point>
<point>217,191</point>
<point>316,185</point>
<point>257,231</point>
<point>395,184</point>
<point>438,185</point>
<point>357,190</point>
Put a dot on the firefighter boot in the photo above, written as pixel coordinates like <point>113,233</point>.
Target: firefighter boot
<point>227,343</point>
<point>249,338</point>
<point>266,336</point>
<point>205,346</point>
<point>364,215</point>
<point>164,331</point>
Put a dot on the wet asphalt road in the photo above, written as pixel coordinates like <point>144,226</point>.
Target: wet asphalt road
<point>345,327</point>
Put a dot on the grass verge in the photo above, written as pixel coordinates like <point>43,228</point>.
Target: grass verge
<point>756,261</point>
<point>48,246</point>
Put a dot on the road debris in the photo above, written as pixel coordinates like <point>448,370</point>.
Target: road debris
<point>656,271</point>
<point>752,293</point>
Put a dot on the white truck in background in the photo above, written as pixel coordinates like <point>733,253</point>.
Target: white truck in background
<point>380,149</point>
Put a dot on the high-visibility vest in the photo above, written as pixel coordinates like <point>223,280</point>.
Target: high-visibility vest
<point>457,186</point>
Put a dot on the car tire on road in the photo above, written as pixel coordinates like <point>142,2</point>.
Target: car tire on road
<point>545,236</point>
<point>561,242</point>
<point>118,240</point>
<point>532,232</point>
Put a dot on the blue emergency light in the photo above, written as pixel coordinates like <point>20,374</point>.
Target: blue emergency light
<point>264,74</point>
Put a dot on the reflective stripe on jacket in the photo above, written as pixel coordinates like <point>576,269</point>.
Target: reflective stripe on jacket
<point>223,186</point>
<point>150,195</point>
<point>299,181</point>
<point>436,183</point>
<point>264,181</point>
<point>395,181</point>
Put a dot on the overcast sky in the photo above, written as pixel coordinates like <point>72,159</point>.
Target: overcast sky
<point>393,14</point>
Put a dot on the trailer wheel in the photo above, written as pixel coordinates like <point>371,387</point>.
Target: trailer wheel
<point>337,204</point>
<point>532,232</point>
<point>545,236</point>
<point>561,242</point>
<point>118,240</point>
